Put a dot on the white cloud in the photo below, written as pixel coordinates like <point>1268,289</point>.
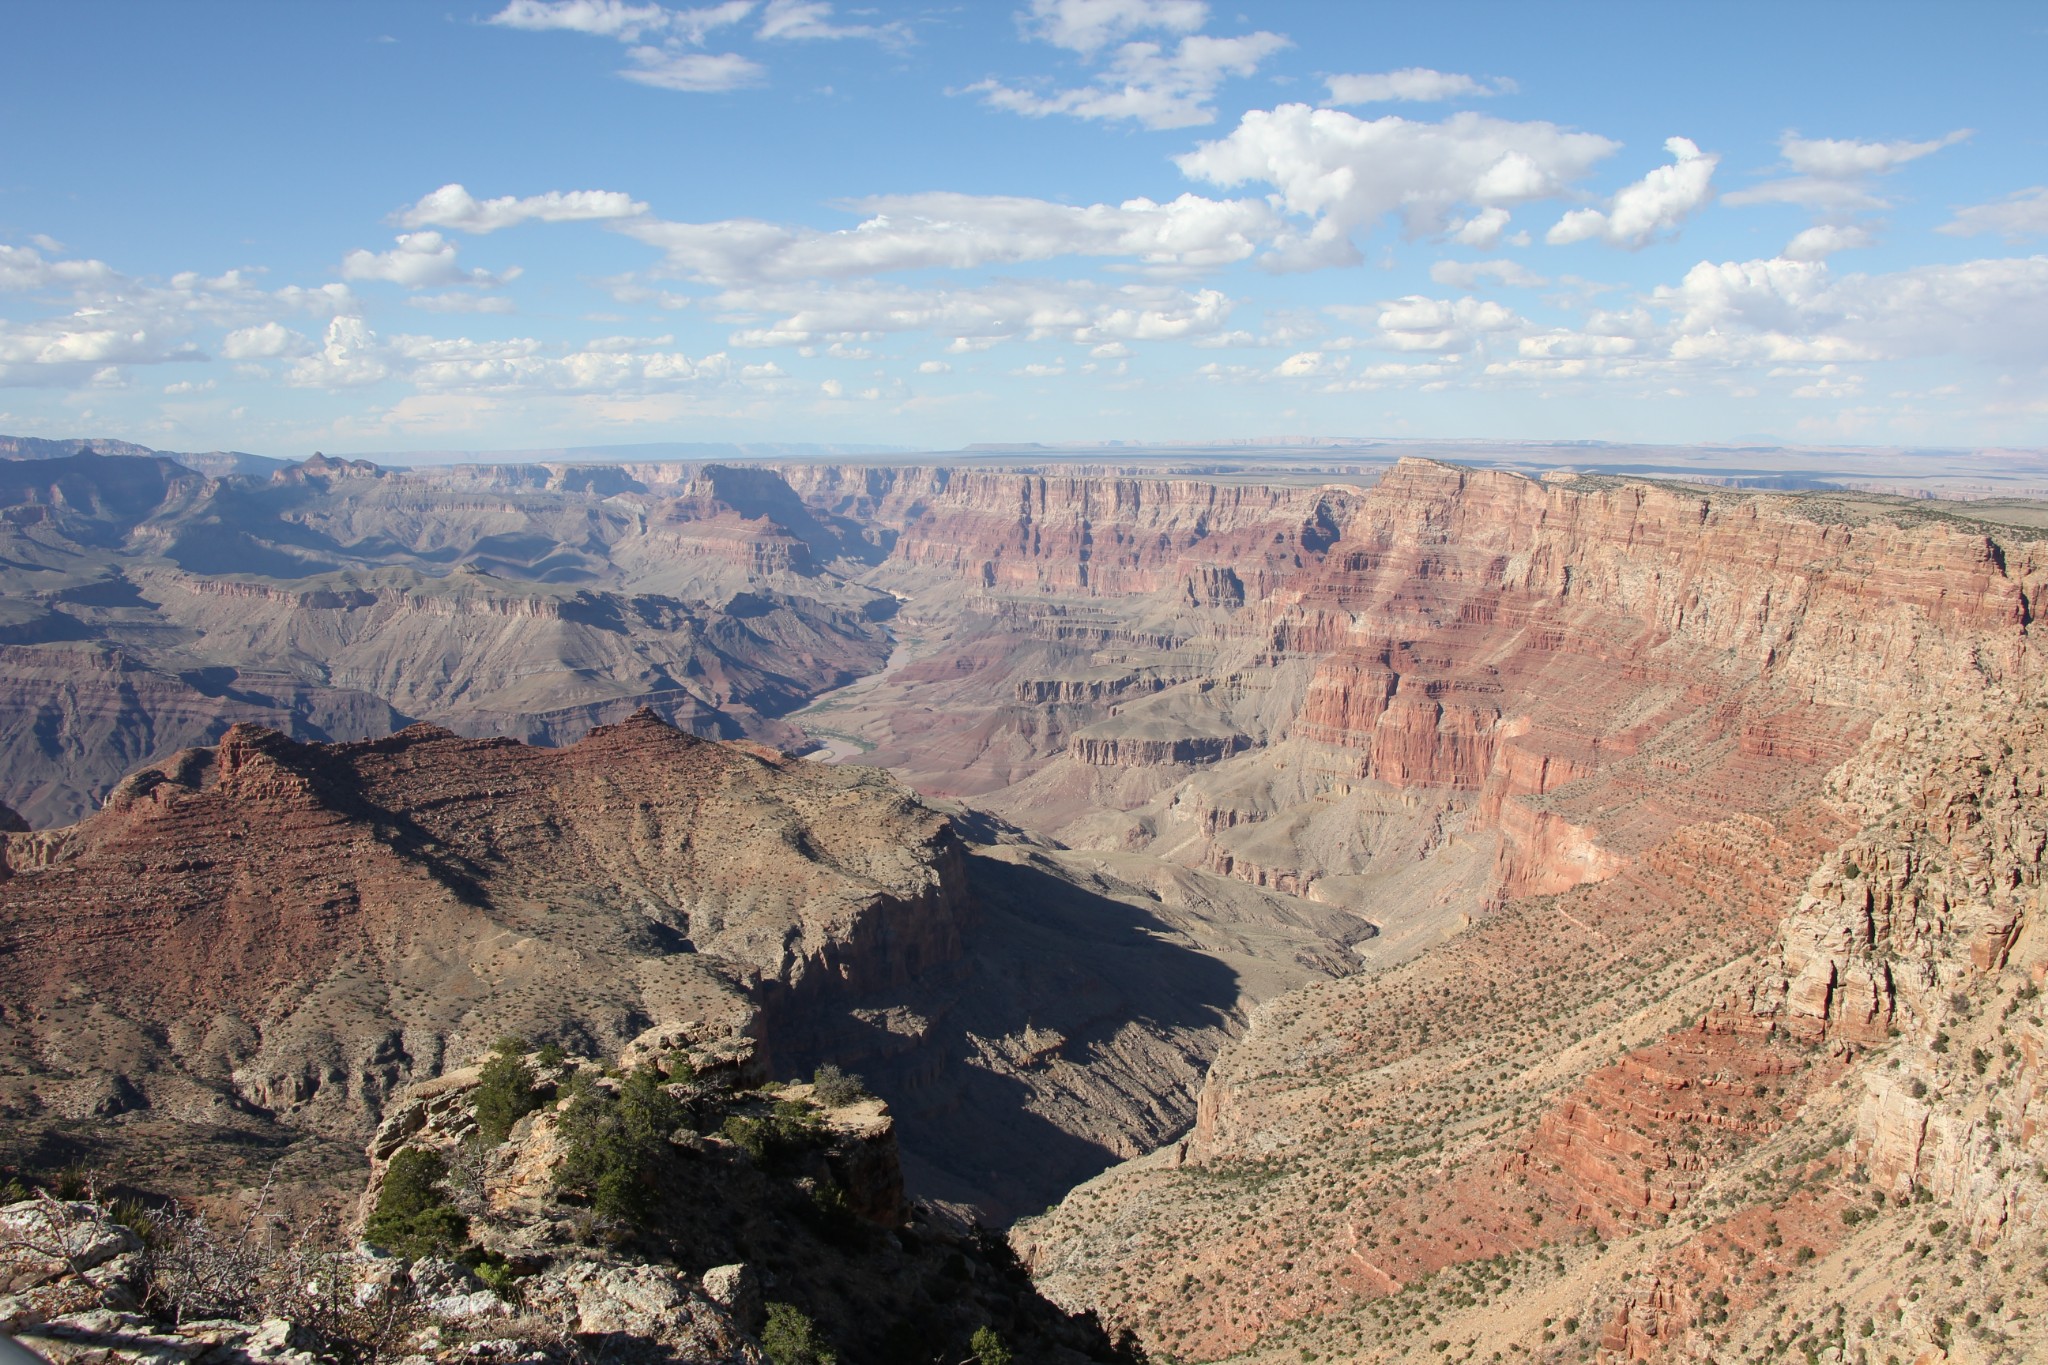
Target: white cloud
<point>1650,208</point>
<point>461,303</point>
<point>934,367</point>
<point>603,18</point>
<point>1306,363</point>
<point>1088,26</point>
<point>420,259</point>
<point>1833,176</point>
<point>452,206</point>
<point>1482,229</point>
<point>348,358</point>
<point>615,19</point>
<point>24,268</point>
<point>976,317</point>
<point>266,341</point>
<point>1819,242</point>
<point>1784,310</point>
<point>1465,274</point>
<point>83,348</point>
<point>1349,173</point>
<point>663,43</point>
<point>353,356</point>
<point>812,19</point>
<point>185,387</point>
<point>1147,83</point>
<point>1844,158</point>
<point>2021,214</point>
<point>699,72</point>
<point>1420,323</point>
<point>1110,350</point>
<point>962,231</point>
<point>1414,84</point>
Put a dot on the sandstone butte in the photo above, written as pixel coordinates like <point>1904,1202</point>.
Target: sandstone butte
<point>1624,888</point>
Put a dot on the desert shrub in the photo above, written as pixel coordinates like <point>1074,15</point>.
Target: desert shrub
<point>788,1131</point>
<point>191,1272</point>
<point>835,1088</point>
<point>791,1338</point>
<point>616,1144</point>
<point>505,1091</point>
<point>414,1217</point>
<point>988,1348</point>
<point>551,1054</point>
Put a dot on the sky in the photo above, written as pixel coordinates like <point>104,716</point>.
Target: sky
<point>366,227</point>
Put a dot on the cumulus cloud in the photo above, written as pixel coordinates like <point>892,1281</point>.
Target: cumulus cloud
<point>418,260</point>
<point>1167,81</point>
<point>812,20</point>
<point>934,367</point>
<point>83,348</point>
<point>1088,26</point>
<point>1465,274</point>
<point>1147,82</point>
<point>24,268</point>
<point>452,206</point>
<point>623,21</point>
<point>1846,158</point>
<point>1420,323</point>
<point>1348,173</point>
<point>2018,215</point>
<point>461,303</point>
<point>1836,176</point>
<point>665,47</point>
<point>1824,240</point>
<point>963,231</point>
<point>353,356</point>
<point>976,317</point>
<point>1786,310</point>
<point>1413,85</point>
<point>1652,207</point>
<point>1483,229</point>
<point>266,341</point>
<point>701,72</point>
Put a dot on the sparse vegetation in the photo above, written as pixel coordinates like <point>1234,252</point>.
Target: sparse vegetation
<point>414,1216</point>
<point>616,1141</point>
<point>791,1338</point>
<point>505,1091</point>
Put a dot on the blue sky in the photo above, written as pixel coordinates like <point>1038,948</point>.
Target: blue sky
<point>385,227</point>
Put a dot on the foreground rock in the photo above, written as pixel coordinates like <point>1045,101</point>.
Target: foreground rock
<point>767,1218</point>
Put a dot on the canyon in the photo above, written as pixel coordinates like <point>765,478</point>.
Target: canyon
<point>1439,913</point>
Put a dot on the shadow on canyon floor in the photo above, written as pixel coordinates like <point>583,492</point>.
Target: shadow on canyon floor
<point>1072,1034</point>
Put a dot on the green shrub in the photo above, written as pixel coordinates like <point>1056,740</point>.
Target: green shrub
<point>505,1091</point>
<point>787,1132</point>
<point>791,1338</point>
<point>551,1054</point>
<point>616,1144</point>
<point>988,1348</point>
<point>413,1217</point>
<point>835,1088</point>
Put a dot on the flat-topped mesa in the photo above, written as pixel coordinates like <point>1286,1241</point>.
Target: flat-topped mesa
<point>338,917</point>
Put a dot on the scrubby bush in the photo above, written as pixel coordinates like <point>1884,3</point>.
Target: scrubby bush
<point>414,1217</point>
<point>791,1338</point>
<point>988,1348</point>
<point>616,1143</point>
<point>835,1088</point>
<point>789,1130</point>
<point>505,1091</point>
